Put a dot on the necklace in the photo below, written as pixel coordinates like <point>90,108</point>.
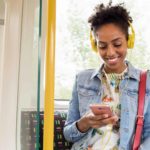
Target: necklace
<point>115,79</point>
<point>111,85</point>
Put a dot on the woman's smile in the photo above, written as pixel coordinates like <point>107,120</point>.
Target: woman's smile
<point>113,61</point>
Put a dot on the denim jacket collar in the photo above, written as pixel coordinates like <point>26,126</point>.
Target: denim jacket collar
<point>132,72</point>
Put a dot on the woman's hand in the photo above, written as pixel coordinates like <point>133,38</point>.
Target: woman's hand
<point>89,120</point>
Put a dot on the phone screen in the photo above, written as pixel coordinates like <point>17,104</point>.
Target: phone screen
<point>101,109</point>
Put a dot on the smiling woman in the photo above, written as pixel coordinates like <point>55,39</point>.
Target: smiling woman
<point>103,130</point>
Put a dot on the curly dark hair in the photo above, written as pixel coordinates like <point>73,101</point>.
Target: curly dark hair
<point>110,14</point>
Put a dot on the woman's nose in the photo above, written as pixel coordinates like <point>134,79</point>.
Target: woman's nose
<point>110,51</point>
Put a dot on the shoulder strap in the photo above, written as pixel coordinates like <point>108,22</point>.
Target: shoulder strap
<point>140,116</point>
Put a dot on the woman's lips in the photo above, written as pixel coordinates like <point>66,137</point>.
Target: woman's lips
<point>112,61</point>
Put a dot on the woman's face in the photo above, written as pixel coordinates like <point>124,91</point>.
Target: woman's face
<point>112,47</point>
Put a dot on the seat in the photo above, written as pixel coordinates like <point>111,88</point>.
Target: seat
<point>28,130</point>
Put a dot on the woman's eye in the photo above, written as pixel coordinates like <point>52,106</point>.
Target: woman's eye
<point>117,45</point>
<point>102,46</point>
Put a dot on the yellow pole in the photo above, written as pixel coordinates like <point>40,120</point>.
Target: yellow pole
<point>49,78</point>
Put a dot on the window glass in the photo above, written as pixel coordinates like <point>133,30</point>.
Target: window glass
<point>27,115</point>
<point>73,51</point>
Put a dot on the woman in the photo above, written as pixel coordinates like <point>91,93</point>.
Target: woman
<point>115,84</point>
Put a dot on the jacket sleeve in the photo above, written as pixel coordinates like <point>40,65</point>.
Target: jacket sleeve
<point>71,132</point>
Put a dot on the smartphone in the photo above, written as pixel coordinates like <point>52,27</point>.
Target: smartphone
<point>98,109</point>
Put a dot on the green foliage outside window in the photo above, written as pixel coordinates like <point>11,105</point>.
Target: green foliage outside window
<point>73,51</point>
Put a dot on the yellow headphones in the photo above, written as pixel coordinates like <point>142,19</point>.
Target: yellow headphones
<point>93,42</point>
<point>131,39</point>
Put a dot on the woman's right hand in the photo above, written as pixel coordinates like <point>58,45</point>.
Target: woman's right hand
<point>89,120</point>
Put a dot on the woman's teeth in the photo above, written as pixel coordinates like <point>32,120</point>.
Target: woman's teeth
<point>112,60</point>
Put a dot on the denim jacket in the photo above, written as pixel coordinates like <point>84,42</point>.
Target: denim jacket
<point>87,90</point>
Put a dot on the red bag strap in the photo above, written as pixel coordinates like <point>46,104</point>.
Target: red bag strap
<point>140,116</point>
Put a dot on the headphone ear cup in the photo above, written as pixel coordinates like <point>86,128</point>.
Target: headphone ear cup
<point>131,41</point>
<point>131,37</point>
<point>93,42</point>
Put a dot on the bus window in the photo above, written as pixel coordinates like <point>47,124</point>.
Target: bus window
<point>27,131</point>
<point>72,44</point>
<point>73,51</point>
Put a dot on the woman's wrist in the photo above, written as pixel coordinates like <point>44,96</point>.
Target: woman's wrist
<point>82,125</point>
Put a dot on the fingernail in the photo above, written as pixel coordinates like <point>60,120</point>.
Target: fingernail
<point>106,115</point>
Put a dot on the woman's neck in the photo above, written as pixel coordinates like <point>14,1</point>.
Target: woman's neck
<point>118,71</point>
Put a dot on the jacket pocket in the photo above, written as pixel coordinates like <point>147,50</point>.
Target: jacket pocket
<point>86,97</point>
<point>132,93</point>
<point>87,92</point>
